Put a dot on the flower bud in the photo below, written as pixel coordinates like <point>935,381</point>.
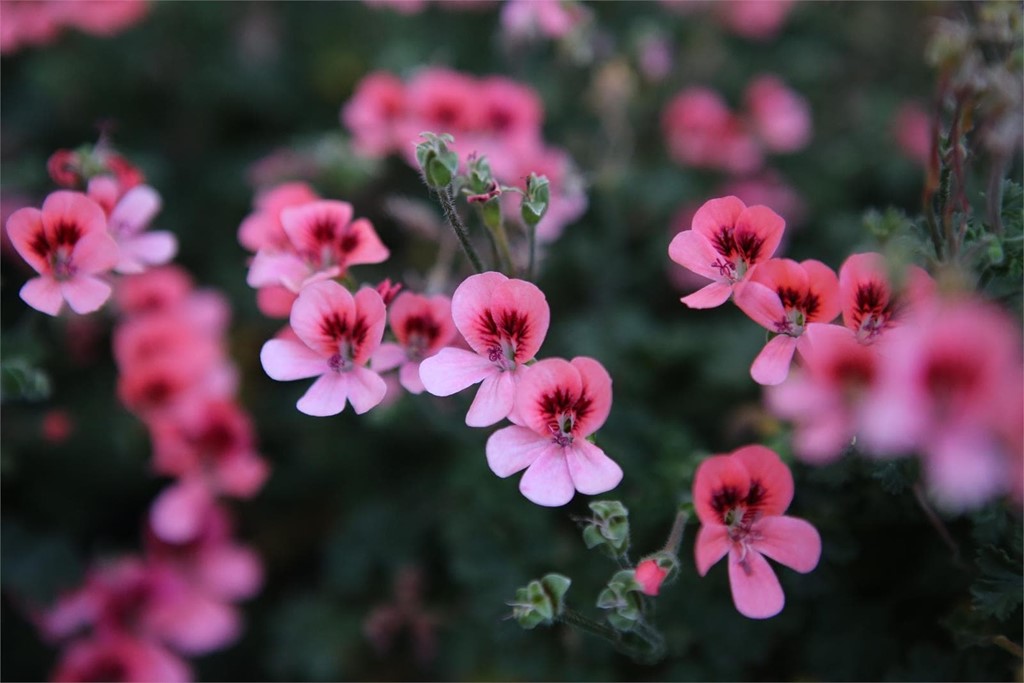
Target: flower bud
<point>535,203</point>
<point>619,597</point>
<point>541,601</point>
<point>437,162</point>
<point>652,571</point>
<point>608,529</point>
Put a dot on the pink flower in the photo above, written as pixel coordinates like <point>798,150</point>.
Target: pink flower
<point>156,290</point>
<point>559,405</point>
<point>525,19</point>
<point>505,322</point>
<point>338,332</point>
<point>785,297</point>
<point>438,100</point>
<point>324,241</point>
<point>825,397</point>
<point>422,327</point>
<point>702,132</point>
<point>373,113</point>
<point>510,112</point>
<point>103,17</point>
<point>57,426</point>
<point>727,239</point>
<point>755,19</point>
<point>128,216</point>
<point>68,245</point>
<point>912,129</point>
<point>116,656</point>
<point>650,576</point>
<point>262,228</point>
<point>869,304</point>
<point>740,498</point>
<point>949,386</point>
<point>780,117</point>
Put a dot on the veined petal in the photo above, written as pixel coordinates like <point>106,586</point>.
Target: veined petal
<point>43,294</point>
<point>712,545</point>
<point>547,481</point>
<point>366,389</point>
<point>451,370</point>
<point>545,378</point>
<point>695,252</point>
<point>715,294</point>
<point>597,388</point>
<point>765,468</point>
<point>470,301</point>
<point>789,541</point>
<point>592,471</point>
<point>717,214</point>
<point>755,588</point>
<point>318,304</point>
<point>326,397</point>
<point>73,208</point>
<point>494,400</point>
<point>513,449</point>
<point>767,227</point>
<point>85,293</point>
<point>315,224</point>
<point>367,245</point>
<point>718,473</point>
<point>526,301</point>
<point>761,303</point>
<point>824,284</point>
<point>371,310</point>
<point>772,365</point>
<point>25,227</point>
<point>285,360</point>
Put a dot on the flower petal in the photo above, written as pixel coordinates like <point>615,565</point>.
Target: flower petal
<point>409,377</point>
<point>712,545</point>
<point>368,247</point>
<point>312,225</point>
<point>768,227</point>
<point>547,481</point>
<point>177,514</point>
<point>84,293</point>
<point>43,294</point>
<point>326,397</point>
<point>148,249</point>
<point>95,252</point>
<point>134,212</point>
<point>285,360</point>
<point>771,366</point>
<point>789,541</point>
<point>24,227</point>
<point>764,467</point>
<point>470,301</point>
<point>513,449</point>
<point>592,471</point>
<point>755,588</point>
<point>717,214</point>
<point>761,303</point>
<point>317,303</point>
<point>695,252</point>
<point>270,268</point>
<point>713,475</point>
<point>525,299</point>
<point>387,357</point>
<point>366,389</point>
<point>494,400</point>
<point>715,294</point>
<point>370,309</point>
<point>451,370</point>
<point>597,388</point>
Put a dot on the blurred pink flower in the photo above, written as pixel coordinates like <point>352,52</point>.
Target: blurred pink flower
<point>727,240</point>
<point>157,290</point>
<point>67,243</point>
<point>869,304</point>
<point>422,326</point>
<point>373,114</point>
<point>505,322</point>
<point>784,297</point>
<point>262,228</point>
<point>57,426</point>
<point>780,117</point>
<point>339,333</point>
<point>754,19</point>
<point>740,500</point>
<point>912,130</point>
<point>560,404</point>
<point>554,19</point>
<point>702,132</point>
<point>117,656</point>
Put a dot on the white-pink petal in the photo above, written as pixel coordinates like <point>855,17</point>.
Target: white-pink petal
<point>695,252</point>
<point>514,448</point>
<point>771,366</point>
<point>409,376</point>
<point>387,357</point>
<point>149,249</point>
<point>547,481</point>
<point>712,545</point>
<point>755,588</point>
<point>134,212</point>
<point>789,541</point>
<point>43,294</point>
<point>285,360</point>
<point>85,293</point>
<point>276,268</point>
<point>451,370</point>
<point>494,400</point>
<point>365,389</point>
<point>95,252</point>
<point>326,397</point>
<point>715,294</point>
<point>592,471</point>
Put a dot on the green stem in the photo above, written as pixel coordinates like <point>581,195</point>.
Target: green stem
<point>531,269</point>
<point>654,642</point>
<point>501,244</point>
<point>451,214</point>
<point>675,536</point>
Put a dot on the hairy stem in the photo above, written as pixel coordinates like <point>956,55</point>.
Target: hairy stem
<point>937,523</point>
<point>451,214</point>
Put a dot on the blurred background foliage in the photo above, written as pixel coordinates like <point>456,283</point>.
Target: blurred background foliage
<point>198,92</point>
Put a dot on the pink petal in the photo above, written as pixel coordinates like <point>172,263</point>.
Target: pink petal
<point>713,475</point>
<point>65,207</point>
<point>387,357</point>
<point>789,541</point>
<point>766,224</point>
<point>149,249</point>
<point>194,623</point>
<point>592,471</point>
<point>371,309</point>
<point>771,366</point>
<point>276,268</point>
<point>285,360</point>
<point>712,545</point>
<point>715,294</point>
<point>470,301</point>
<point>242,475</point>
<point>318,302</point>
<point>366,389</point>
<point>514,448</point>
<point>230,572</point>
<point>764,467</point>
<point>369,248</point>
<point>134,212</point>
<point>299,222</point>
<point>409,376</point>
<point>494,400</point>
<point>23,227</point>
<point>716,214</point>
<point>327,396</point>
<point>95,252</point>
<point>755,588</point>
<point>177,514</point>
<point>43,294</point>
<point>965,469</point>
<point>695,252</point>
<point>597,387</point>
<point>84,293</point>
<point>451,370</point>
<point>529,302</point>
<point>545,377</point>
<point>761,303</point>
<point>547,481</point>
<point>824,283</point>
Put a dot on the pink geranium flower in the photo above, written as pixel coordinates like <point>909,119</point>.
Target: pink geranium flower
<point>869,303</point>
<point>373,113</point>
<point>128,215</point>
<point>504,321</point>
<point>338,333</point>
<point>785,297</point>
<point>740,500</point>
<point>68,245</point>
<point>262,228</point>
<point>780,117</point>
<point>115,656</point>
<point>727,239</point>
<point>702,132</point>
<point>156,290</point>
<point>422,327</point>
<point>324,242</point>
<point>560,404</point>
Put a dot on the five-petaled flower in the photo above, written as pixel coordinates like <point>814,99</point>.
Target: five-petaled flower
<point>740,499</point>
<point>559,404</point>
<point>338,333</point>
<point>726,241</point>
<point>504,321</point>
<point>422,327</point>
<point>67,243</point>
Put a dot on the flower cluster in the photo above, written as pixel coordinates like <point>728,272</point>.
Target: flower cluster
<point>702,132</point>
<point>754,19</point>
<point>905,371</point>
<point>493,117</point>
<point>38,22</point>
